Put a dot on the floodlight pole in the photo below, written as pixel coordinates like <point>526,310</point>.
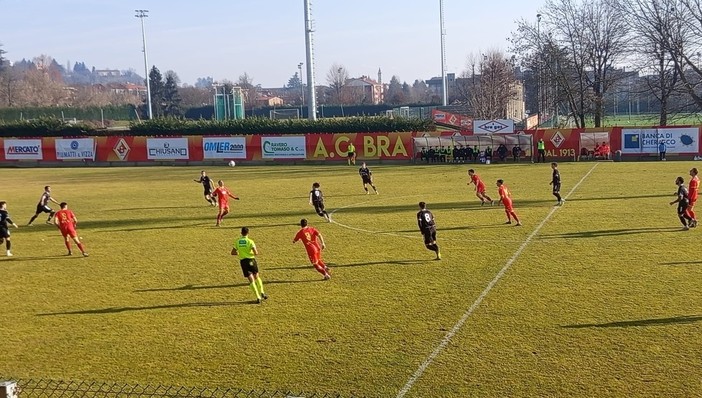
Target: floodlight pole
<point>311,95</point>
<point>444,85</point>
<point>302,88</point>
<point>141,14</point>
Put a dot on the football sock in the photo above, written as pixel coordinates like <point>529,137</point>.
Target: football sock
<point>374,188</point>
<point>514,215</point>
<point>691,213</point>
<point>683,221</point>
<point>558,196</point>
<point>51,215</point>
<point>8,245</point>
<point>259,282</point>
<point>255,290</point>
<point>488,198</point>
<point>68,244</point>
<point>31,220</point>
<point>319,268</point>
<point>81,247</point>
<point>365,189</point>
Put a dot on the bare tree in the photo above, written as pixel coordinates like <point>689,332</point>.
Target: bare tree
<point>249,91</point>
<point>495,87</point>
<point>336,79</point>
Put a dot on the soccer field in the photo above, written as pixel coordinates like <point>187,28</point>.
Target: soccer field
<point>599,297</point>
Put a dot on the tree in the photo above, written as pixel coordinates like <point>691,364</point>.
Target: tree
<point>294,81</point>
<point>336,79</point>
<point>204,82</point>
<point>395,95</point>
<point>171,96</point>
<point>421,92</point>
<point>157,92</point>
<point>2,59</point>
<point>495,87</point>
<point>249,91</point>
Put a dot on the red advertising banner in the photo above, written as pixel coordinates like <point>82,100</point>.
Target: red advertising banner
<point>559,143</point>
<point>369,146</point>
<point>464,123</point>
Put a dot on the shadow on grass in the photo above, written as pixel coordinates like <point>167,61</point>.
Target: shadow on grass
<point>620,197</point>
<point>640,322</point>
<point>58,257</point>
<point>393,262</point>
<point>147,208</point>
<point>611,232</point>
<point>682,263</point>
<point>229,286</point>
<point>115,310</point>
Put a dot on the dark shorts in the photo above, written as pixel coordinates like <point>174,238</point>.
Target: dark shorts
<point>429,236</point>
<point>4,233</point>
<point>367,180</point>
<point>351,154</point>
<point>208,191</point>
<point>682,207</point>
<point>43,209</point>
<point>319,208</point>
<point>556,188</point>
<point>249,266</point>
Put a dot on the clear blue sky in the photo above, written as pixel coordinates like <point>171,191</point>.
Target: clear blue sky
<point>225,38</point>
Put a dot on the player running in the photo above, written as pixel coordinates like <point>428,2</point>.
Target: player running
<point>246,249</point>
<point>367,178</point>
<point>351,154</point>
<point>683,201</point>
<point>222,195</point>
<point>427,226</point>
<point>314,244</point>
<point>209,186</point>
<point>556,183</point>
<point>43,206</point>
<point>479,188</point>
<point>5,222</point>
<point>66,222</point>
<point>505,198</point>
<point>692,190</point>
<point>317,200</point>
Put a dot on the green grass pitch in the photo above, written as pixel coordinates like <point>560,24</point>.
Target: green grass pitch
<point>604,300</point>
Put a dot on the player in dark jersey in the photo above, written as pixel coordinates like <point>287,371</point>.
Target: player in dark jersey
<point>209,187</point>
<point>683,201</point>
<point>5,222</point>
<point>556,183</point>
<point>367,177</point>
<point>317,200</point>
<point>43,206</point>
<point>427,226</point>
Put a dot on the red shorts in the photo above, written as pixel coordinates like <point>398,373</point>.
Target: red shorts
<point>314,256</point>
<point>508,204</point>
<point>223,206</point>
<point>480,188</point>
<point>69,232</point>
<point>692,202</point>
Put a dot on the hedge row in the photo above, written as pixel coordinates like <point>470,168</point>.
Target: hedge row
<point>52,127</point>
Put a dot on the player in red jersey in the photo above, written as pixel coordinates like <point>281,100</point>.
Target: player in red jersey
<point>479,188</point>
<point>314,244</point>
<point>66,222</point>
<point>222,194</point>
<point>505,198</point>
<point>692,190</point>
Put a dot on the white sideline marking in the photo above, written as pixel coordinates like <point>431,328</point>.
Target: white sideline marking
<point>423,367</point>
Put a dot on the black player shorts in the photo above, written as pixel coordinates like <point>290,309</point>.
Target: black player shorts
<point>367,180</point>
<point>208,191</point>
<point>556,188</point>
<point>319,208</point>
<point>429,236</point>
<point>43,209</point>
<point>351,154</point>
<point>4,233</point>
<point>249,266</point>
<point>682,207</point>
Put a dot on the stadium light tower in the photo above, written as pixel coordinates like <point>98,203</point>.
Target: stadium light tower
<point>311,95</point>
<point>302,88</point>
<point>141,14</point>
<point>444,86</point>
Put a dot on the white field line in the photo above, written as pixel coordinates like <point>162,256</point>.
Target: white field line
<point>428,361</point>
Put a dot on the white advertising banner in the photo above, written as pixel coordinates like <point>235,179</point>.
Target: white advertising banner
<point>75,149</point>
<point>167,148</point>
<point>23,149</point>
<point>283,147</point>
<point>498,126</point>
<point>681,140</point>
<point>224,147</point>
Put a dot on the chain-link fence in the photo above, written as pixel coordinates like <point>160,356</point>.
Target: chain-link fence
<point>44,388</point>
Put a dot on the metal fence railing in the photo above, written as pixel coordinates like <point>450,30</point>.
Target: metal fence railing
<point>46,388</point>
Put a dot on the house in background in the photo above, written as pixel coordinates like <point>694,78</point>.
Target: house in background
<point>363,90</point>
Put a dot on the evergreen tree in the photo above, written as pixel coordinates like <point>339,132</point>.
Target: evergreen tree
<point>157,92</point>
<point>171,96</point>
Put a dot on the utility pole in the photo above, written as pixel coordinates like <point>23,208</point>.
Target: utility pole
<point>141,14</point>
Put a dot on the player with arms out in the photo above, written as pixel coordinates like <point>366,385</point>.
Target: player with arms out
<point>427,226</point>
<point>222,195</point>
<point>208,185</point>
<point>479,188</point>
<point>367,178</point>
<point>246,249</point>
<point>683,201</point>
<point>43,206</point>
<point>66,222</point>
<point>5,222</point>
<point>556,183</point>
<point>692,190</point>
<point>317,200</point>
<point>314,244</point>
<point>506,199</point>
